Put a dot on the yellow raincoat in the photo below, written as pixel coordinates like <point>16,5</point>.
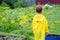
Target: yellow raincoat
<point>39,26</point>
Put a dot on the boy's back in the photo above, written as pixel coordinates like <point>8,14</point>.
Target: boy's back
<point>39,26</point>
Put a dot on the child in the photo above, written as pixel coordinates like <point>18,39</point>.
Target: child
<point>39,24</point>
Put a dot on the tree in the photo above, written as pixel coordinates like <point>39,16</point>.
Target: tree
<point>1,1</point>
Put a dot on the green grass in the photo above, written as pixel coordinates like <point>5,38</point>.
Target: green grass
<point>52,16</point>
<point>18,21</point>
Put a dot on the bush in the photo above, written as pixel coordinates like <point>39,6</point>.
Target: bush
<point>19,3</point>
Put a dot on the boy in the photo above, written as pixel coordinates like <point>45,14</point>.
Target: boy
<point>39,24</point>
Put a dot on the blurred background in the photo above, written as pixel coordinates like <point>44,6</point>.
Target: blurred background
<point>16,16</point>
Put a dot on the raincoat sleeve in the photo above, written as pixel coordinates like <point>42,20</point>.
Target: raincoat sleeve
<point>32,23</point>
<point>46,26</point>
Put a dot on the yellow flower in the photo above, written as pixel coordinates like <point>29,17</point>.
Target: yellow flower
<point>3,19</point>
<point>12,21</point>
<point>22,22</point>
<point>24,17</point>
<point>31,7</point>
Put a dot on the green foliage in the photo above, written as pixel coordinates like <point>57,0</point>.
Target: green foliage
<point>19,20</point>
